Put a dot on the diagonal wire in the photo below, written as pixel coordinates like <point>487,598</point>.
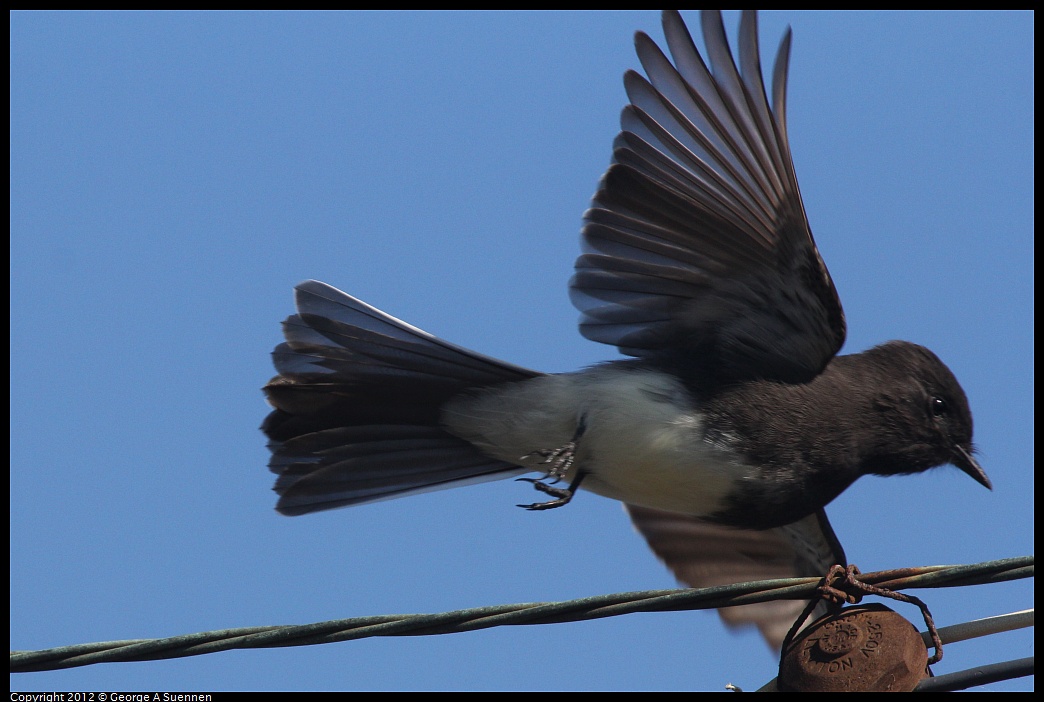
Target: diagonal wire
<point>974,677</point>
<point>587,608</point>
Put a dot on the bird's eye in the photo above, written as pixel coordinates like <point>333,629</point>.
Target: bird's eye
<point>939,407</point>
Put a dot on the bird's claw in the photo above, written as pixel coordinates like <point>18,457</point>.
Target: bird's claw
<point>558,461</point>
<point>562,495</point>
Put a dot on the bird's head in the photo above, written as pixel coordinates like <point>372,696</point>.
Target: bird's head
<point>925,411</point>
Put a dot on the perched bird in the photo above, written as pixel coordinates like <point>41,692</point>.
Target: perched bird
<point>732,424</point>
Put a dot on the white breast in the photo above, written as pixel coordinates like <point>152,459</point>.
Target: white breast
<point>643,442</point>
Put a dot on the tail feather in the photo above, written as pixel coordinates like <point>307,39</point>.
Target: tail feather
<point>371,463</point>
<point>357,401</point>
<point>335,333</point>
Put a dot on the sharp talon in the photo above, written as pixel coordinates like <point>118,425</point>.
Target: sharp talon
<point>564,495</point>
<point>538,506</point>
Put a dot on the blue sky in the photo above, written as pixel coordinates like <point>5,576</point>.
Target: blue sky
<point>173,175</point>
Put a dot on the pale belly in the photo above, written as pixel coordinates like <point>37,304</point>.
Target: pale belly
<point>642,443</point>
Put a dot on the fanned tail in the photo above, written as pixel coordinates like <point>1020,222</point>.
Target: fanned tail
<point>357,403</point>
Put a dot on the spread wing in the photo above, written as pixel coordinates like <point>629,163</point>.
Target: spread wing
<point>706,555</point>
<point>697,241</point>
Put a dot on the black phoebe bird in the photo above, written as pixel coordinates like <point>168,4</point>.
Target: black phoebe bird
<point>733,423</point>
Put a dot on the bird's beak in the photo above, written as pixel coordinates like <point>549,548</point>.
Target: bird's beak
<point>969,465</point>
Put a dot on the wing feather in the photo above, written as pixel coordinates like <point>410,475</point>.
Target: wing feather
<point>697,242</point>
<point>701,554</point>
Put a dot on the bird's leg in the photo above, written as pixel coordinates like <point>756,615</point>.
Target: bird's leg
<point>559,461</point>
